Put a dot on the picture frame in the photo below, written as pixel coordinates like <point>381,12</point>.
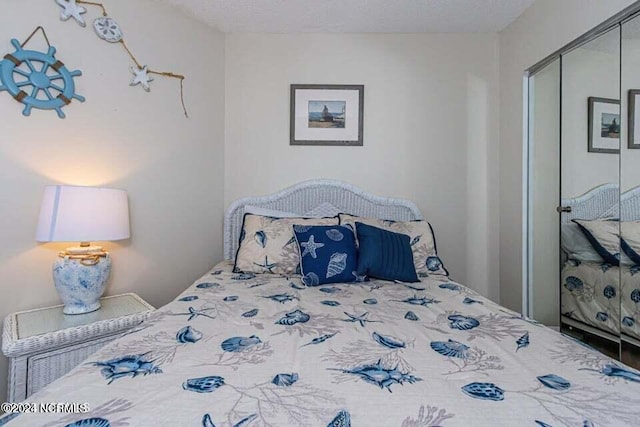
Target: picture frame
<point>323,114</point>
<point>633,117</point>
<point>604,125</point>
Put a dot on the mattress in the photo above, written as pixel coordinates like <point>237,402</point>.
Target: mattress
<point>264,350</point>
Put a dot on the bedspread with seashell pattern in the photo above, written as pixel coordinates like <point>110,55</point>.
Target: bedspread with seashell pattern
<point>238,349</point>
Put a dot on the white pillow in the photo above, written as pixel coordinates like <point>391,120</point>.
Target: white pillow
<point>604,237</point>
<point>257,210</point>
<point>268,245</point>
<point>324,210</point>
<point>576,246</point>
<point>631,235</point>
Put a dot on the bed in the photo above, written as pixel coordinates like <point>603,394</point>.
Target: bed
<point>597,297</point>
<point>237,349</point>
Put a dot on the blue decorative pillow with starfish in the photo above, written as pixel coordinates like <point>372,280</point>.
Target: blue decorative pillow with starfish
<point>327,254</point>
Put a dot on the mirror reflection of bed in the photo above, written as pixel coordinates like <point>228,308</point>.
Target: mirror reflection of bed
<point>600,276</point>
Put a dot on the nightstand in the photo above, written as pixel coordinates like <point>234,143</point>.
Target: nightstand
<point>44,344</point>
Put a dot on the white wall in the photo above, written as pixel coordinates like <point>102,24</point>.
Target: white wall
<point>630,158</point>
<point>123,137</point>
<point>587,72</point>
<point>430,131</point>
<point>546,26</point>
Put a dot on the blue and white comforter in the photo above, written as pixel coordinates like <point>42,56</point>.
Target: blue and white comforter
<point>243,350</point>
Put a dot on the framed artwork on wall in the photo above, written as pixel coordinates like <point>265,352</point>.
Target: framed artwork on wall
<point>633,135</point>
<point>604,125</point>
<point>326,114</point>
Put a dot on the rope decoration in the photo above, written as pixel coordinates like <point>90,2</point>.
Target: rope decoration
<point>44,34</point>
<point>85,259</point>
<point>104,11</point>
<point>107,29</point>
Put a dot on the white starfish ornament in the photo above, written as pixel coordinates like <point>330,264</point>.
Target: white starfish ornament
<point>71,10</point>
<point>140,77</point>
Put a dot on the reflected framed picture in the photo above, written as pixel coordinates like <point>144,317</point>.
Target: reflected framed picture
<point>604,125</point>
<point>326,114</point>
<point>633,136</point>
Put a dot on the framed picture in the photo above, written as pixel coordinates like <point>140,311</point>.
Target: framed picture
<point>633,135</point>
<point>604,125</point>
<point>326,114</point>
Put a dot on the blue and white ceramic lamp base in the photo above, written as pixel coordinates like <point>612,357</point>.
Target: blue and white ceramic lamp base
<point>81,286</point>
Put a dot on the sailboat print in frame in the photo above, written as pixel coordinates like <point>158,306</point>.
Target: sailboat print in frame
<point>604,125</point>
<point>326,115</point>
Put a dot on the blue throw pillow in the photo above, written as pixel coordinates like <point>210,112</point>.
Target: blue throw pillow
<point>327,254</point>
<point>384,254</point>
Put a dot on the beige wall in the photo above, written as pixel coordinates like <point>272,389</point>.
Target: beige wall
<point>587,71</point>
<point>430,131</point>
<point>123,137</point>
<point>546,26</point>
<point>629,158</point>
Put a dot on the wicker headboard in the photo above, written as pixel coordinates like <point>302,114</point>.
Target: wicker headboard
<point>630,205</point>
<point>602,203</point>
<point>324,196</point>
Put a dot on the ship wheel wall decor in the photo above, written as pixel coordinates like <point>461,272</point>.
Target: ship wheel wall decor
<point>38,79</point>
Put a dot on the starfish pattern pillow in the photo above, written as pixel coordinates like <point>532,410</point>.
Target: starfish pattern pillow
<point>328,254</point>
<point>421,238</point>
<point>267,244</point>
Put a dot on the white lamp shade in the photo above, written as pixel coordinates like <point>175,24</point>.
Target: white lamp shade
<point>83,214</point>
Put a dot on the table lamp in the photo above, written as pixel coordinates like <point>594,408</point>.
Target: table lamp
<point>82,214</point>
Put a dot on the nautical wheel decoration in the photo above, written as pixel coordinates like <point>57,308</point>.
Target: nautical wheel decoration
<point>38,79</point>
<point>107,29</point>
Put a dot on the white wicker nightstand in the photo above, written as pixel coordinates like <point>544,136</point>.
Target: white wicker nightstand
<point>44,344</point>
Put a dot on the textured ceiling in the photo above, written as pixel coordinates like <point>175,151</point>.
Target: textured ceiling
<point>354,16</point>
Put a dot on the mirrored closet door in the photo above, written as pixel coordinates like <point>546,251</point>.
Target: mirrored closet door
<point>630,194</point>
<point>590,193</point>
<point>582,188</point>
<point>544,192</point>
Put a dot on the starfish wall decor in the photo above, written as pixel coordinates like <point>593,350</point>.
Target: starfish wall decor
<point>141,77</point>
<point>70,9</point>
<point>107,29</point>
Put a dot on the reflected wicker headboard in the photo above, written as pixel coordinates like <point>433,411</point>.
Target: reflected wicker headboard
<point>325,196</point>
<point>598,203</point>
<point>602,203</point>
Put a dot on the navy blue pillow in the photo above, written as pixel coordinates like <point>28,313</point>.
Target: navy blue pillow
<point>384,254</point>
<point>327,254</point>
